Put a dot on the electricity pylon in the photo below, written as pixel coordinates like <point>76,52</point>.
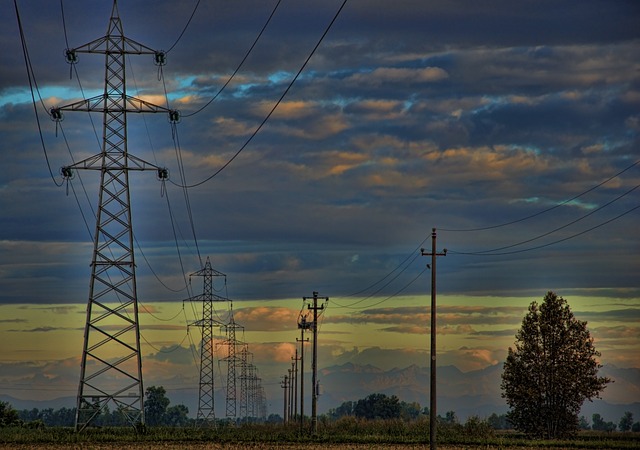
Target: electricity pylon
<point>231,360</point>
<point>111,365</point>
<point>245,354</point>
<point>206,413</point>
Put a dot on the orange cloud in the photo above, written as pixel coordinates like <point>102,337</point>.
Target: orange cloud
<point>268,353</point>
<point>267,318</point>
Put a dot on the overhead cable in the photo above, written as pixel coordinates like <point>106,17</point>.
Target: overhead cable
<point>550,243</point>
<point>32,83</point>
<point>264,121</point>
<point>547,209</point>
<point>185,27</point>
<point>246,55</point>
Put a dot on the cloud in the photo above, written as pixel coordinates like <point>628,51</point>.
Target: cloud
<point>43,329</point>
<point>272,352</point>
<point>472,358</point>
<point>399,75</point>
<point>266,318</point>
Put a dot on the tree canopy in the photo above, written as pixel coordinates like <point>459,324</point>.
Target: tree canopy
<point>552,370</point>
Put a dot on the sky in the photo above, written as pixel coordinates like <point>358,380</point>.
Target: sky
<point>510,127</point>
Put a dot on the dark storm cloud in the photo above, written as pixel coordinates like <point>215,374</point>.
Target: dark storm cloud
<point>410,115</point>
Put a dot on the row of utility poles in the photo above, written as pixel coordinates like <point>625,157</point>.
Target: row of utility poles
<point>290,381</point>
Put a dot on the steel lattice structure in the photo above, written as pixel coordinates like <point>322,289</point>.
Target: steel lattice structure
<point>206,413</point>
<point>232,359</point>
<point>111,366</point>
<point>244,378</point>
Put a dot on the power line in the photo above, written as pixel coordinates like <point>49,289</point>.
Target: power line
<point>264,121</point>
<point>550,243</point>
<point>32,82</point>
<point>185,27</point>
<point>415,256</point>
<point>264,27</point>
<point>562,226</point>
<point>544,210</point>
<point>395,294</point>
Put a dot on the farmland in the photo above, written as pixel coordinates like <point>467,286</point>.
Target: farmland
<point>351,434</point>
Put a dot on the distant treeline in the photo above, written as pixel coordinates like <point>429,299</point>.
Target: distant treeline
<point>373,407</point>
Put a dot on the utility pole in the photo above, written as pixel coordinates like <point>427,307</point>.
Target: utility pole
<point>303,325</point>
<point>285,387</point>
<point>314,364</point>
<point>294,367</point>
<point>432,392</point>
<point>111,363</point>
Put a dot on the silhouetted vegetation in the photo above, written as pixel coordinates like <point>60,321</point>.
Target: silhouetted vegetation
<point>551,372</point>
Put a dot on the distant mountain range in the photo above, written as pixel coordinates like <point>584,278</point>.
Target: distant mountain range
<point>467,393</point>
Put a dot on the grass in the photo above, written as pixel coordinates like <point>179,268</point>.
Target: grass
<point>346,433</point>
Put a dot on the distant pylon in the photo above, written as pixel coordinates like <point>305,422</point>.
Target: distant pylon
<point>231,360</point>
<point>244,381</point>
<point>206,413</point>
<point>111,364</point>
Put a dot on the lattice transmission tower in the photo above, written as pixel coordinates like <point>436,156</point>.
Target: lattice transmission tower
<point>232,360</point>
<point>111,365</point>
<point>206,390</point>
<point>245,356</point>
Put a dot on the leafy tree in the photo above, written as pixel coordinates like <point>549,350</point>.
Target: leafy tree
<point>636,427</point>
<point>409,411</point>
<point>626,421</point>
<point>498,422</point>
<point>600,425</point>
<point>8,415</point>
<point>155,405</point>
<point>177,416</point>
<point>450,418</point>
<point>584,423</point>
<point>378,406</point>
<point>551,371</point>
<point>345,409</point>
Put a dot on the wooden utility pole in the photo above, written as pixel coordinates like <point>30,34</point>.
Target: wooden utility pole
<point>314,364</point>
<point>432,392</point>
<point>294,367</point>
<point>285,388</point>
<point>303,325</point>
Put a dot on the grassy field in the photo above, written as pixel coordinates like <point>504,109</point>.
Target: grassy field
<point>352,434</point>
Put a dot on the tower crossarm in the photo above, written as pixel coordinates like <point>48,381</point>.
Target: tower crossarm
<point>112,103</point>
<point>102,45</point>
<point>97,162</point>
<point>114,37</point>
